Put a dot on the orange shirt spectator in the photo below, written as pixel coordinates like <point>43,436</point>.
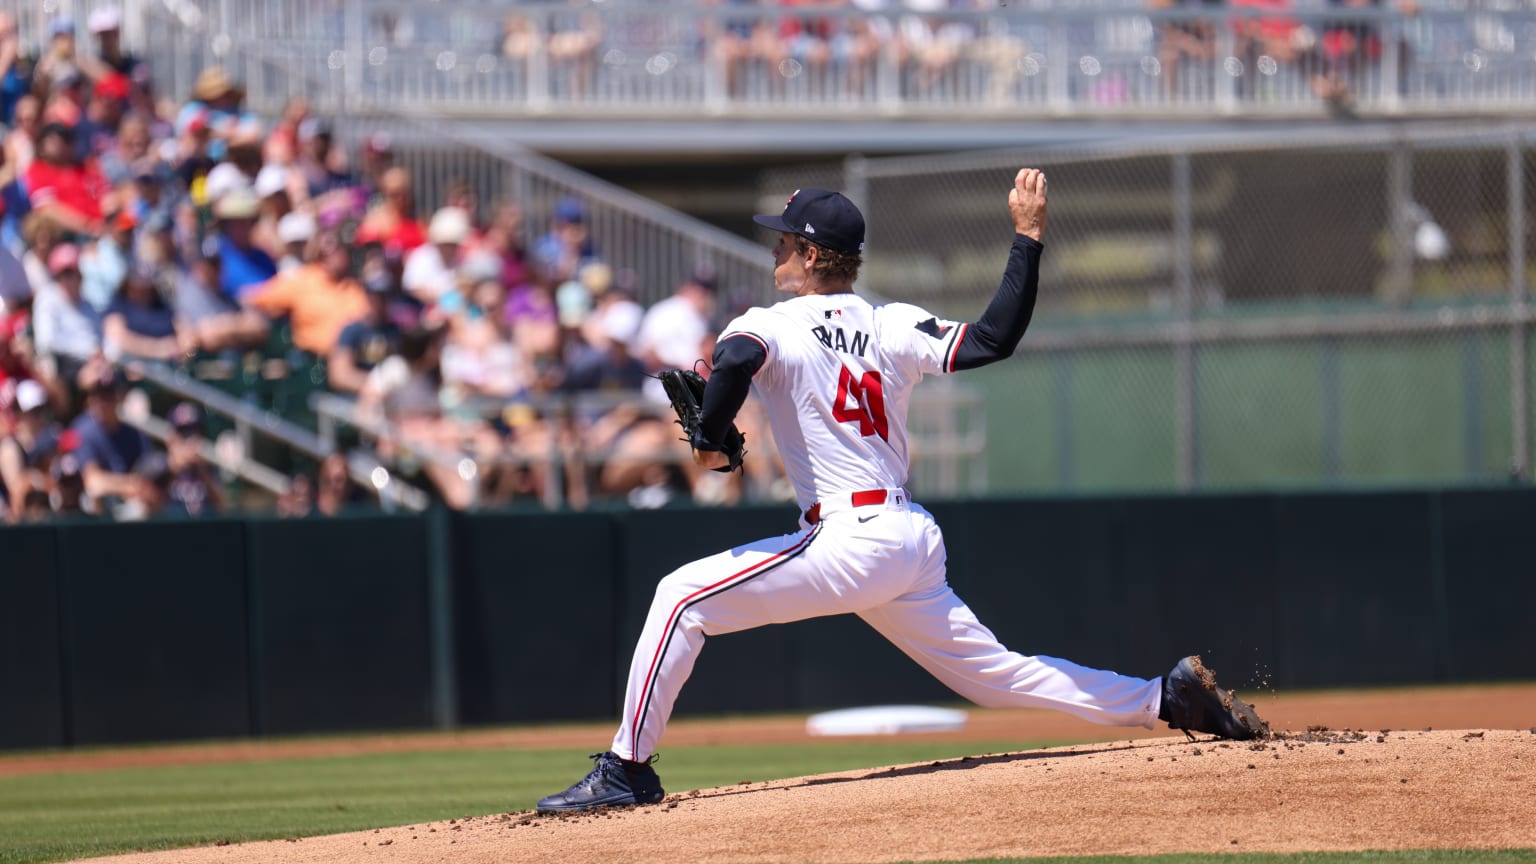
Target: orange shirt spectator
<point>319,299</point>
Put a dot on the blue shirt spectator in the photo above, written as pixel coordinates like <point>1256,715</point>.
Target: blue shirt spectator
<point>242,266</point>
<point>105,444</point>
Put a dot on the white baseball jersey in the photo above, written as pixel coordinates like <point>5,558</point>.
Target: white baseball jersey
<point>836,385</point>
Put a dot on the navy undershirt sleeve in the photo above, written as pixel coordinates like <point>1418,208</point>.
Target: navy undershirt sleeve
<point>737,359</point>
<point>997,333</point>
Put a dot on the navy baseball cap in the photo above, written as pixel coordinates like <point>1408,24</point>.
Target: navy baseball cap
<point>823,217</point>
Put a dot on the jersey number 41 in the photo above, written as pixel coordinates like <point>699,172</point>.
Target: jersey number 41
<point>861,401</point>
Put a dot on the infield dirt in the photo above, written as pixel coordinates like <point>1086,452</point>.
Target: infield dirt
<point>1377,780</point>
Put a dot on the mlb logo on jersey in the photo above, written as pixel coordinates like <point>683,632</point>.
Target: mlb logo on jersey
<point>832,313</point>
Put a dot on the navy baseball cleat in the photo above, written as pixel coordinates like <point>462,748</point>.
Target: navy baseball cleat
<point>1193,702</point>
<point>612,782</point>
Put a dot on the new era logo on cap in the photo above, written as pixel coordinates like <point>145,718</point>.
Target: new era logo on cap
<point>821,216</point>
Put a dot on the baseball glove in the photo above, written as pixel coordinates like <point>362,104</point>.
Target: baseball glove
<point>685,388</point>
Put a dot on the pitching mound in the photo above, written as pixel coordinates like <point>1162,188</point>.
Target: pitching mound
<point>1316,790</point>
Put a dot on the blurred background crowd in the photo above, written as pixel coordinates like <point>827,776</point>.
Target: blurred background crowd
<point>137,229</point>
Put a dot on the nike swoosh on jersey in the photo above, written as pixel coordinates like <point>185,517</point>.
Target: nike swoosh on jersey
<point>867,518</point>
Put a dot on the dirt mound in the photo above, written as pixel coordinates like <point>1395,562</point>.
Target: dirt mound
<point>1317,789</point>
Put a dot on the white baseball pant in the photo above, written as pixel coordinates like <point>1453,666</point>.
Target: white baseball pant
<point>885,563</point>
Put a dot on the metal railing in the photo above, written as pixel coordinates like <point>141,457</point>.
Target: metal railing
<point>685,60</point>
<point>947,439</point>
<point>250,422</point>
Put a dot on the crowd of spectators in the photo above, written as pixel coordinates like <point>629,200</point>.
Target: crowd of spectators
<point>758,44</point>
<point>138,229</point>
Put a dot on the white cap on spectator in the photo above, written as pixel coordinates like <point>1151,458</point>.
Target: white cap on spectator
<point>270,180</point>
<point>296,227</point>
<point>239,204</point>
<point>222,180</point>
<point>621,322</point>
<point>104,19</point>
<point>30,395</point>
<point>449,225</point>
<point>480,265</point>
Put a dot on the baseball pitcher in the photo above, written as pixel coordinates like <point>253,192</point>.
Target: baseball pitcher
<point>835,375</point>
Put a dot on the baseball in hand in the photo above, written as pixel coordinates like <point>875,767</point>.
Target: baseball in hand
<point>1026,201</point>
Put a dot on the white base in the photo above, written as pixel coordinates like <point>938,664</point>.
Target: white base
<point>885,720</point>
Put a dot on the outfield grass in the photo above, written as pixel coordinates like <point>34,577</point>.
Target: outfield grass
<point>54,817</point>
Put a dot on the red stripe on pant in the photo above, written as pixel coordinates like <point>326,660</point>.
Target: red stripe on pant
<point>701,594</point>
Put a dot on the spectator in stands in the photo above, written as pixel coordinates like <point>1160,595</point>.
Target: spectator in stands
<point>65,105</point>
<point>320,162</point>
<point>282,146</point>
<point>67,329</point>
<point>104,261</point>
<point>335,493</point>
<point>105,105</point>
<point>1346,47</point>
<point>40,234</point>
<point>429,268</point>
<point>152,497</point>
<point>319,299</point>
<point>214,321</point>
<point>68,495</point>
<point>572,46</point>
<point>634,443</point>
<point>192,488</point>
<point>69,191</point>
<point>392,223</point>
<point>28,449</point>
<point>929,44</point>
<point>673,331</point>
<point>367,341</point>
<point>504,237</point>
<point>139,324</point>
<point>404,391</point>
<point>15,69</point>
<point>298,500</point>
<point>376,158</point>
<point>606,364</point>
<point>58,61</point>
<point>481,357</point>
<point>294,233</point>
<point>148,201</point>
<point>21,140</point>
<point>1274,36</point>
<point>124,162</point>
<point>1181,40</point>
<point>271,189</point>
<point>243,267</point>
<point>568,245</point>
<point>109,449</point>
<point>533,321</point>
<point>105,25</point>
<point>217,102</point>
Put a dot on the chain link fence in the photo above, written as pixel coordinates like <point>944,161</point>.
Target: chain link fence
<point>1236,312</point>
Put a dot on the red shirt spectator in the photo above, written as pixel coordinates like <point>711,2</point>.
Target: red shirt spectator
<point>392,224</point>
<point>56,182</point>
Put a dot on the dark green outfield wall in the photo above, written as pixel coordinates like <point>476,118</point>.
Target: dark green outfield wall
<point>166,631</point>
<point>1420,410</point>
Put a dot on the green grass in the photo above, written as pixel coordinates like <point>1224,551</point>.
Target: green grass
<point>53,817</point>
